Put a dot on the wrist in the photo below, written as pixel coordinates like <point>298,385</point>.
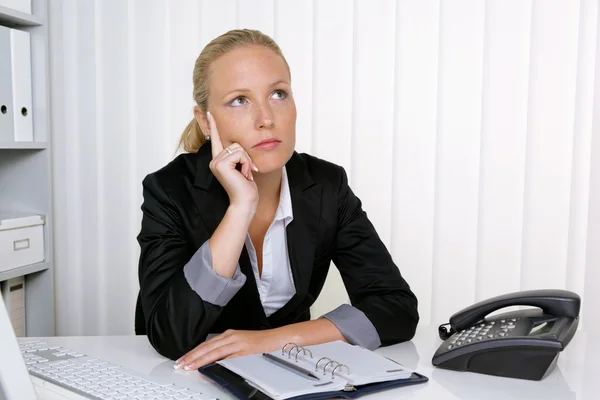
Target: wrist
<point>307,333</point>
<point>241,211</point>
<point>286,334</point>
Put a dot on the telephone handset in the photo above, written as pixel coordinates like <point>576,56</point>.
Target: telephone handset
<point>520,344</point>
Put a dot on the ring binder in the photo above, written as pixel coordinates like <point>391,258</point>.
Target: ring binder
<point>320,359</point>
<point>303,350</point>
<point>326,370</point>
<point>295,346</point>
<point>338,366</point>
<point>283,348</point>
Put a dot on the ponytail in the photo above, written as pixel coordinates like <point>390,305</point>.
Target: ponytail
<point>192,137</point>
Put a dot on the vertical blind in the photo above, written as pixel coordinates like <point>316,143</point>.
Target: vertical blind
<point>469,130</point>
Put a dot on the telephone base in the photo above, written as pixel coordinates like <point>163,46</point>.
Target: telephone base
<point>533,364</point>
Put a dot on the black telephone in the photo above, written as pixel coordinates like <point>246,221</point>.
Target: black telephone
<point>520,344</point>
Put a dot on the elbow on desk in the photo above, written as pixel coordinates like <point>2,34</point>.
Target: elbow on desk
<point>167,341</point>
<point>400,330</point>
<point>402,325</point>
<point>168,345</point>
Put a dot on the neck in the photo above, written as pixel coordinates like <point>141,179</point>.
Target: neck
<point>269,186</point>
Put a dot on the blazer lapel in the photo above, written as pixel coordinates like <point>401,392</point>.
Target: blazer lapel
<point>210,197</point>
<point>301,233</point>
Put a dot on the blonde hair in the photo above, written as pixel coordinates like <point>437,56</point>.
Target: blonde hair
<point>192,137</point>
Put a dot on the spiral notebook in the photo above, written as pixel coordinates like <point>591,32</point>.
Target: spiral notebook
<point>310,372</point>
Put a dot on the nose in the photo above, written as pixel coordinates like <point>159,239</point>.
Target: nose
<point>264,117</point>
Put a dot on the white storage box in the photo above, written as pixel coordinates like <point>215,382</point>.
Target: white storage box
<point>21,241</point>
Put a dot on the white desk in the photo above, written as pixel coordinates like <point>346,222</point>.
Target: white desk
<point>577,375</point>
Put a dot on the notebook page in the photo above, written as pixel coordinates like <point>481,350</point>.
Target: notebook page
<point>365,366</point>
<point>276,381</point>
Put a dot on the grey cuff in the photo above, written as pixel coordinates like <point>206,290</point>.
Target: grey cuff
<point>355,326</point>
<point>210,286</point>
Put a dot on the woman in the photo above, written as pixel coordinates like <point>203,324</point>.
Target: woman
<point>238,233</point>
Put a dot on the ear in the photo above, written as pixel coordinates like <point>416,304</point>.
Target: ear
<point>202,121</point>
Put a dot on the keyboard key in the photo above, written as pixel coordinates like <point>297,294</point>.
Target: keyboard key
<point>188,392</point>
<point>127,390</point>
<point>178,389</point>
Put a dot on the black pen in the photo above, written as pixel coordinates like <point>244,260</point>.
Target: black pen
<point>290,366</point>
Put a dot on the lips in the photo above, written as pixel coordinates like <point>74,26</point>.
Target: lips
<point>267,144</point>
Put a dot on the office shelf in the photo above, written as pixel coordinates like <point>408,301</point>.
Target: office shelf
<point>15,19</point>
<point>25,270</point>
<point>23,145</point>
<point>26,171</point>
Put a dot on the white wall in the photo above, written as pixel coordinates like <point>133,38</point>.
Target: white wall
<point>468,128</point>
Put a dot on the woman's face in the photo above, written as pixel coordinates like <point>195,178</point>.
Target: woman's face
<point>252,104</point>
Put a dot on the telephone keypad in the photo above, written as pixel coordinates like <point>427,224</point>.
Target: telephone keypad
<point>483,331</point>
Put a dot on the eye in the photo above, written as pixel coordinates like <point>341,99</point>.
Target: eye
<point>279,94</point>
<point>238,101</point>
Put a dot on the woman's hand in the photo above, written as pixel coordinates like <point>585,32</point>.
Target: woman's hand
<point>234,343</point>
<point>240,185</point>
<point>230,343</point>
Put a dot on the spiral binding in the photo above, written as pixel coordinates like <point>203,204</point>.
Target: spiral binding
<point>299,349</point>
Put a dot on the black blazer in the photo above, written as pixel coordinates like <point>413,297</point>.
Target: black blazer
<point>183,205</point>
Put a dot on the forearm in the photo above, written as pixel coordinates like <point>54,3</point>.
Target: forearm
<point>228,239</point>
<point>307,333</point>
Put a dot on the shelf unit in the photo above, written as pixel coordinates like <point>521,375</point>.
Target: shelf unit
<point>23,146</point>
<point>25,173</point>
<point>17,19</point>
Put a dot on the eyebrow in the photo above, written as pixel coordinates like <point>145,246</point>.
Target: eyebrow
<point>248,90</point>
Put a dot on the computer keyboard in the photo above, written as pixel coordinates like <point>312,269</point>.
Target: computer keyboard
<point>97,379</point>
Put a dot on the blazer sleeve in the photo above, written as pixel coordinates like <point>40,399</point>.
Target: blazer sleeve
<point>177,318</point>
<point>373,281</point>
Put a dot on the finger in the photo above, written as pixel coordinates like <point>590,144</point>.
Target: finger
<point>238,156</point>
<point>227,152</point>
<point>215,139</point>
<point>216,354</point>
<point>244,170</point>
<point>247,170</point>
<point>247,165</point>
<point>232,148</point>
<point>221,336</point>
<point>202,348</point>
<point>189,357</point>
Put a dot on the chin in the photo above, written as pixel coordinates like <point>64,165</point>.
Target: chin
<point>271,162</point>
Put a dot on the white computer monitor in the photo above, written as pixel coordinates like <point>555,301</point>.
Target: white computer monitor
<point>15,382</point>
